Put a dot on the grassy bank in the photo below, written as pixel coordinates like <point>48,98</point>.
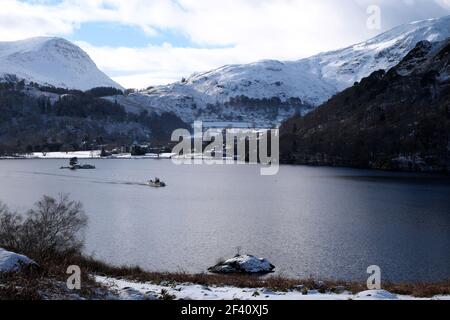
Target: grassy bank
<point>276,283</point>
<point>49,282</point>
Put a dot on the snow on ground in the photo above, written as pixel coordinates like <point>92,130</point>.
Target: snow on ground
<point>65,155</point>
<point>128,290</point>
<point>90,155</point>
<point>11,262</point>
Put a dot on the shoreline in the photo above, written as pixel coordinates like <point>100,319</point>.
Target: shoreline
<point>101,281</point>
<point>437,174</point>
<point>82,155</point>
<point>85,155</point>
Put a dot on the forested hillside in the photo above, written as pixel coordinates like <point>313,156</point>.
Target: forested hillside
<point>399,119</point>
<point>34,118</point>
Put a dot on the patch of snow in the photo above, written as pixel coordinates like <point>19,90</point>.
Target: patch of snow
<point>65,155</point>
<point>128,293</point>
<point>376,295</point>
<point>12,262</point>
<point>124,289</point>
<point>95,154</point>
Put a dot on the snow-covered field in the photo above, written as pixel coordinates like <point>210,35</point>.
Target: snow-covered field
<point>129,290</point>
<point>64,155</point>
<point>90,155</point>
<point>96,155</point>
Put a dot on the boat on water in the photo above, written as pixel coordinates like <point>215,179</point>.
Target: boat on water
<point>157,183</point>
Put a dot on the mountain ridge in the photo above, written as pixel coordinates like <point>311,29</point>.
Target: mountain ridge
<point>264,93</point>
<point>311,80</point>
<point>51,61</point>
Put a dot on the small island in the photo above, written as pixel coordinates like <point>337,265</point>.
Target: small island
<point>73,165</point>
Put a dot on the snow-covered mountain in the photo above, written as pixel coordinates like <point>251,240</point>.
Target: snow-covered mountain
<point>405,112</point>
<point>343,68</point>
<point>312,80</point>
<point>51,61</point>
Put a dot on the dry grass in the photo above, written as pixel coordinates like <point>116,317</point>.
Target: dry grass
<point>424,290</point>
<point>276,283</point>
<point>18,287</point>
<point>48,282</point>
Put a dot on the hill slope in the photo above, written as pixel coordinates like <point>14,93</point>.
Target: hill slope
<point>36,119</point>
<point>271,91</point>
<point>398,119</point>
<point>51,61</point>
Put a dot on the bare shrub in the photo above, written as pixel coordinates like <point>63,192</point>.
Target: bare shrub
<point>165,295</point>
<point>52,227</point>
<point>10,227</point>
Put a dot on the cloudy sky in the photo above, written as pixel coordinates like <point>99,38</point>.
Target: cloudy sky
<point>146,42</point>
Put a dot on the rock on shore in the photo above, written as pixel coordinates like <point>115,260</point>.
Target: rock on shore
<point>12,262</point>
<point>243,264</point>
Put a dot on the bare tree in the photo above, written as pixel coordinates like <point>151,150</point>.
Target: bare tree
<point>10,226</point>
<point>54,226</point>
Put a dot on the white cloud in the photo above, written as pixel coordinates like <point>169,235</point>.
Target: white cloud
<point>444,3</point>
<point>222,32</point>
<point>153,65</point>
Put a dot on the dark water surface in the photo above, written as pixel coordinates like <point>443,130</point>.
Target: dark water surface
<point>320,222</point>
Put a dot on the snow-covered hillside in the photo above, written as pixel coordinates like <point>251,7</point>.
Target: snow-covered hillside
<point>51,61</point>
<point>313,80</point>
<point>344,67</point>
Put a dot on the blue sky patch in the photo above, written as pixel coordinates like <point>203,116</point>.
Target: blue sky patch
<point>117,35</point>
<point>110,34</point>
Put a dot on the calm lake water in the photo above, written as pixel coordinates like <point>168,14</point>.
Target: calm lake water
<point>320,222</point>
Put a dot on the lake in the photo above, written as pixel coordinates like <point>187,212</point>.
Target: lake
<point>329,223</point>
